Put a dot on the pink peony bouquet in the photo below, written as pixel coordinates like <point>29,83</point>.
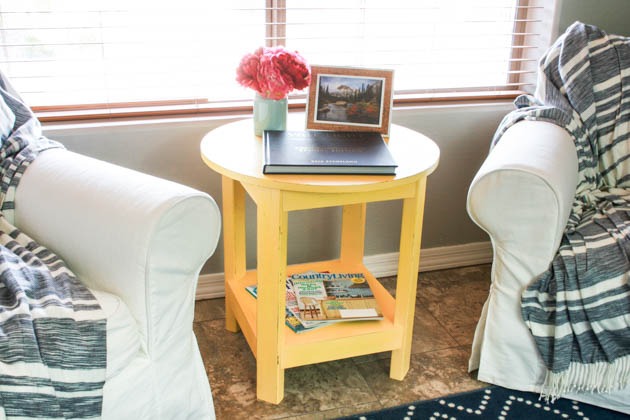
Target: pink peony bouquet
<point>273,72</point>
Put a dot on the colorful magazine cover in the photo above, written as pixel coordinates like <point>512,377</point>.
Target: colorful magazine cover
<point>334,296</point>
<point>292,312</point>
<point>293,307</point>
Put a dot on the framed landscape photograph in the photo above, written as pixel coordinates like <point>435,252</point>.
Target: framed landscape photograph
<point>350,99</point>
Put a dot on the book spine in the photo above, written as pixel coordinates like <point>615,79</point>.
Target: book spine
<point>266,158</point>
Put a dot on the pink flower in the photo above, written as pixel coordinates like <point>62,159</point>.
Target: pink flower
<point>273,72</point>
<point>247,72</point>
<point>271,79</point>
<point>295,69</point>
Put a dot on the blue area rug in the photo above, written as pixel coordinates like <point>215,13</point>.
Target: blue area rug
<point>492,403</point>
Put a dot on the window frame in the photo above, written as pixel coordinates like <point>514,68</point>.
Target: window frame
<point>275,34</point>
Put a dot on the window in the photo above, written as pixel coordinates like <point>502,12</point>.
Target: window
<point>119,57</point>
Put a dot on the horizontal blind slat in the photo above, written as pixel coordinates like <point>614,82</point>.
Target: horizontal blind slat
<point>179,10</point>
<point>141,43</point>
<point>71,78</point>
<point>78,60</point>
<point>183,25</point>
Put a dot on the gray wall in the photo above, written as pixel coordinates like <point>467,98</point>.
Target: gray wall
<point>171,150</point>
<point>463,132</point>
<point>612,16</point>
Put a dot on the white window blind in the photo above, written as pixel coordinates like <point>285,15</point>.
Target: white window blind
<point>434,45</point>
<point>94,53</point>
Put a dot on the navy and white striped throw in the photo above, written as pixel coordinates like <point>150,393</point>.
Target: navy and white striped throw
<point>579,310</point>
<point>52,329</point>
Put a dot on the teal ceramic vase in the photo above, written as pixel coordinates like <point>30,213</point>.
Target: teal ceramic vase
<point>269,114</point>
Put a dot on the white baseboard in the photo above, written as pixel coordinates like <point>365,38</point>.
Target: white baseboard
<point>382,265</point>
<point>210,286</point>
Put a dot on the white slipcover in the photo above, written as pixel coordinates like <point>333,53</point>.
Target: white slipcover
<point>139,243</point>
<point>522,198</point>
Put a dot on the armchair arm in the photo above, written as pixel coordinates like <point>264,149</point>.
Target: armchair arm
<point>139,237</point>
<point>523,193</point>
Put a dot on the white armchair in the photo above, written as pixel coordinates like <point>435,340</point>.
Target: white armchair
<point>522,197</point>
<point>138,242</point>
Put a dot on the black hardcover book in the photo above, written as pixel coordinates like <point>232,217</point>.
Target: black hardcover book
<point>326,152</point>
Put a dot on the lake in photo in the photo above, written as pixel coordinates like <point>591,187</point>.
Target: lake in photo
<point>346,99</point>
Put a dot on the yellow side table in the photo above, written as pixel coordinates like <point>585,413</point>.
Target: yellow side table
<point>233,151</point>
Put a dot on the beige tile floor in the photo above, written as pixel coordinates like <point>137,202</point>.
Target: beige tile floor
<point>448,306</point>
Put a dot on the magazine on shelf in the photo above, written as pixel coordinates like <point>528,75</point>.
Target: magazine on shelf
<point>292,312</point>
<point>334,296</point>
<point>293,307</point>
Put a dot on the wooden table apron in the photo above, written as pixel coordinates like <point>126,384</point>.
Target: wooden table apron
<point>262,321</point>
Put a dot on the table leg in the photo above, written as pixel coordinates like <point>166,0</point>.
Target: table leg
<point>407,280</point>
<point>272,223</point>
<point>233,243</point>
<point>353,233</point>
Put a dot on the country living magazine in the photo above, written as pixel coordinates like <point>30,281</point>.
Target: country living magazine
<point>335,296</point>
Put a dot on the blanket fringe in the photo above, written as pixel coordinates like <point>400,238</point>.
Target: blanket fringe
<point>593,377</point>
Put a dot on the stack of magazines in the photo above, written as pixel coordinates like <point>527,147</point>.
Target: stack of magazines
<point>317,299</point>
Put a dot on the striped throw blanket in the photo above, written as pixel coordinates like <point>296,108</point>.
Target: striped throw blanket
<point>579,310</point>
<point>52,329</point>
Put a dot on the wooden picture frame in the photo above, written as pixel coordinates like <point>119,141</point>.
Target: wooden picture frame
<point>350,99</point>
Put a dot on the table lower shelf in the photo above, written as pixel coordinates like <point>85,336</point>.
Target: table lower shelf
<point>335,341</point>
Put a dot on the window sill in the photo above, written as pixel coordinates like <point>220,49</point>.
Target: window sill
<point>243,109</point>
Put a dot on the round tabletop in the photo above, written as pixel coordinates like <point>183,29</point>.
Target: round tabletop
<point>234,151</point>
